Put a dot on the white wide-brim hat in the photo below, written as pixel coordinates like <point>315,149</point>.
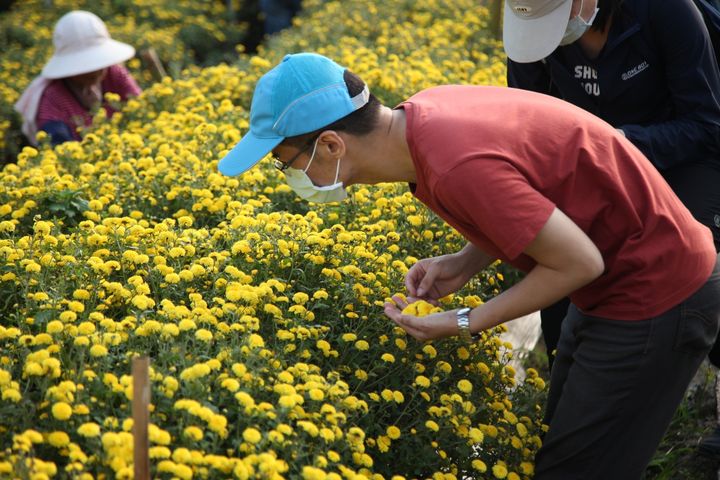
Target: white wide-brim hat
<point>533,29</point>
<point>83,45</point>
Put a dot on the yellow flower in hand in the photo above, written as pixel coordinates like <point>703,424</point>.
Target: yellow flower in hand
<point>421,308</point>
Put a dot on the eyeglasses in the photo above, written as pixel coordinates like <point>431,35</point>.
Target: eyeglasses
<point>282,166</point>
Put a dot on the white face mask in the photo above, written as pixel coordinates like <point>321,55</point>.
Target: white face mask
<point>307,190</point>
<point>577,26</point>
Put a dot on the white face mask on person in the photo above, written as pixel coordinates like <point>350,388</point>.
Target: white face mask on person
<point>577,26</point>
<point>307,190</point>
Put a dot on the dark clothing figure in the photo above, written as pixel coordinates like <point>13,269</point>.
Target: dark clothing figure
<point>657,80</point>
<point>278,14</point>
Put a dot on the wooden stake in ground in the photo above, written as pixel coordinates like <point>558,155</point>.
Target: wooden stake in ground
<point>141,417</point>
<point>152,62</point>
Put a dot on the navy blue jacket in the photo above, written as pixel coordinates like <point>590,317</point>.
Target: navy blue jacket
<point>656,78</point>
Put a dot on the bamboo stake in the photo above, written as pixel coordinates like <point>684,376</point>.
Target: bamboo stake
<point>141,417</point>
<point>152,62</point>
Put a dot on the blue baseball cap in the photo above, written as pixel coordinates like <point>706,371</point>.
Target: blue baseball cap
<point>301,94</point>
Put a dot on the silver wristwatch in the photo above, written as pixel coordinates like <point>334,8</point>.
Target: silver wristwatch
<point>463,323</point>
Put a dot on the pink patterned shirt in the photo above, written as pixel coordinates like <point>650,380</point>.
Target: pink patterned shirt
<point>59,104</point>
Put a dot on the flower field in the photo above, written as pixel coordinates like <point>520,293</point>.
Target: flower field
<point>262,315</point>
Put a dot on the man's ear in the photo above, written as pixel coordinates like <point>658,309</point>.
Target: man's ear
<point>331,141</point>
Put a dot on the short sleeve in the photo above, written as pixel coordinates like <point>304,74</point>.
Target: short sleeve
<point>120,81</point>
<point>496,200</point>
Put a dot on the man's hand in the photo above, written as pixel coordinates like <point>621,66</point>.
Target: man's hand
<point>430,327</point>
<point>433,278</point>
<point>567,259</point>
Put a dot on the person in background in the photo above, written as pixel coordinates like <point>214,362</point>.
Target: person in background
<point>85,65</point>
<point>647,68</point>
<point>278,14</point>
<point>550,189</point>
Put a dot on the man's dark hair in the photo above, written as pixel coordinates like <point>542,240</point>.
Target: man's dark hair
<point>607,10</point>
<point>360,122</point>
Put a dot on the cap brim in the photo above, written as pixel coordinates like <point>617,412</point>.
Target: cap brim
<point>530,40</point>
<point>107,54</point>
<point>248,152</point>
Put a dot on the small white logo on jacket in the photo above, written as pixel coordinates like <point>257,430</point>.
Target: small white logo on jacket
<point>635,70</point>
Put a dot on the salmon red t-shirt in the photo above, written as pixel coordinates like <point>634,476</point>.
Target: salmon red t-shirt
<point>495,162</point>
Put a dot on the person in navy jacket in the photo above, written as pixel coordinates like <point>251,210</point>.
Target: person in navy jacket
<point>646,67</point>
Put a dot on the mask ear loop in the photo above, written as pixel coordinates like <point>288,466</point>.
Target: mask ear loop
<point>592,19</point>
<point>312,155</point>
<point>337,171</point>
<point>582,2</point>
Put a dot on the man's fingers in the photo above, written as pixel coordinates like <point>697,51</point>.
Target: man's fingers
<point>396,315</point>
<point>427,281</point>
<point>400,301</point>
<point>413,278</point>
<point>406,322</point>
<point>391,310</point>
<point>395,312</point>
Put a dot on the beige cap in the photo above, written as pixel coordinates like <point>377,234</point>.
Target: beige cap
<point>533,29</point>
